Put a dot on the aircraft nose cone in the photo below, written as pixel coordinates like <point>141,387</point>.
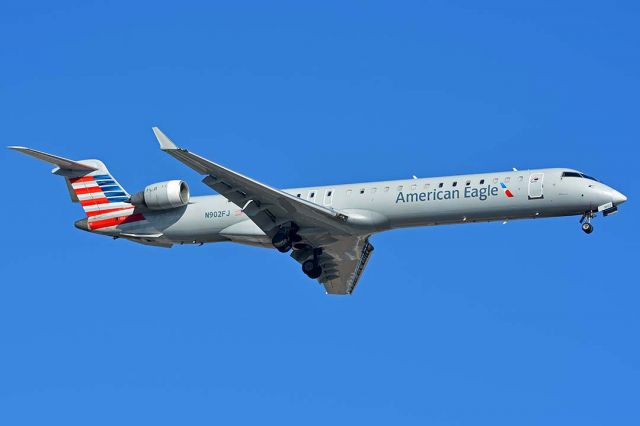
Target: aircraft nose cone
<point>618,197</point>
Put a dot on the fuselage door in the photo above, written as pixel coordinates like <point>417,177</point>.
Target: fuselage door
<point>328,197</point>
<point>536,185</point>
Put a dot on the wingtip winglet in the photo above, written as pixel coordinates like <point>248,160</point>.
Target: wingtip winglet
<point>163,140</point>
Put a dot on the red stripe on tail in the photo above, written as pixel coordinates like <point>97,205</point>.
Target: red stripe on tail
<point>93,202</point>
<point>115,221</point>
<point>88,190</point>
<point>105,211</point>
<point>82,179</point>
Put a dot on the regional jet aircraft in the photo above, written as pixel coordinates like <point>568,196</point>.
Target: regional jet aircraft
<point>326,228</point>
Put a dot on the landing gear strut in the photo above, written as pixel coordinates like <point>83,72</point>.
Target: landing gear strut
<point>587,227</point>
<point>311,266</point>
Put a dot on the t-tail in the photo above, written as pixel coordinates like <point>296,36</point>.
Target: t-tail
<point>89,182</point>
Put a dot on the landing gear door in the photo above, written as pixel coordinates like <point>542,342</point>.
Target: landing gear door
<point>536,185</point>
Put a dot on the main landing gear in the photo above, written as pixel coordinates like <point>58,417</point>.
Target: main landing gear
<point>286,236</point>
<point>587,227</point>
<point>311,266</point>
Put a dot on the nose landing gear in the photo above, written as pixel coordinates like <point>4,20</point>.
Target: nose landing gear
<point>587,227</point>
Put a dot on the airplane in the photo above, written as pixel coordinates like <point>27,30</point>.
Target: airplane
<point>326,228</point>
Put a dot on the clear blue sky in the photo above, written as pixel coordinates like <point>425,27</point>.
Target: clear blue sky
<point>527,323</point>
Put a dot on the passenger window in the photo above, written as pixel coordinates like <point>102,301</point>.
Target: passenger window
<point>481,181</point>
<point>455,184</point>
<point>413,187</point>
<point>386,189</point>
<point>468,183</point>
<point>520,178</point>
<point>440,185</point>
<point>312,194</point>
<point>329,193</point>
<point>362,191</point>
<point>399,187</point>
<point>299,195</point>
<point>427,185</point>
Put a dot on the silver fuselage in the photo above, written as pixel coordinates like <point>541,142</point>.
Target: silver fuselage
<point>379,206</point>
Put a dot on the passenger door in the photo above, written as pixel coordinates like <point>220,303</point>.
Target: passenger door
<point>536,185</point>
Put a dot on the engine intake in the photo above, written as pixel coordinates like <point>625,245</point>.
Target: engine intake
<point>162,195</point>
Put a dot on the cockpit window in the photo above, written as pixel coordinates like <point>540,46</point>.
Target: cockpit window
<point>576,174</point>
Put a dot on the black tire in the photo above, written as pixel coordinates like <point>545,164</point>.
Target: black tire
<point>285,248</point>
<point>281,242</point>
<point>309,266</point>
<point>315,273</point>
<point>587,228</point>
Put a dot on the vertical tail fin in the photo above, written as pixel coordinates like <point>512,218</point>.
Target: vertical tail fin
<point>103,199</point>
<point>89,182</point>
<point>97,191</point>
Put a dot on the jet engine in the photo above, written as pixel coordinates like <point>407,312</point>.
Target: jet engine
<point>162,195</point>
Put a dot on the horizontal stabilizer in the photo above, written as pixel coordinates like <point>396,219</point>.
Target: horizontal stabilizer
<point>63,163</point>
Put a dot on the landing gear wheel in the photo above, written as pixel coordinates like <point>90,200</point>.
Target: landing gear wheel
<point>308,266</point>
<point>315,273</point>
<point>285,237</point>
<point>312,269</point>
<point>283,248</point>
<point>587,227</point>
<point>281,241</point>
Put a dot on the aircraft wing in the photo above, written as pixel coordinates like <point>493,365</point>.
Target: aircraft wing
<point>266,206</point>
<point>344,252</point>
<point>342,263</point>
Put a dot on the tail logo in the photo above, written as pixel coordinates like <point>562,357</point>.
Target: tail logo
<point>104,201</point>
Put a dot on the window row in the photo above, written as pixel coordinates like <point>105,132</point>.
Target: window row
<point>414,187</point>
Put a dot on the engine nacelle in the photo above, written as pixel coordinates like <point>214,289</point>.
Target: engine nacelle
<point>162,195</point>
